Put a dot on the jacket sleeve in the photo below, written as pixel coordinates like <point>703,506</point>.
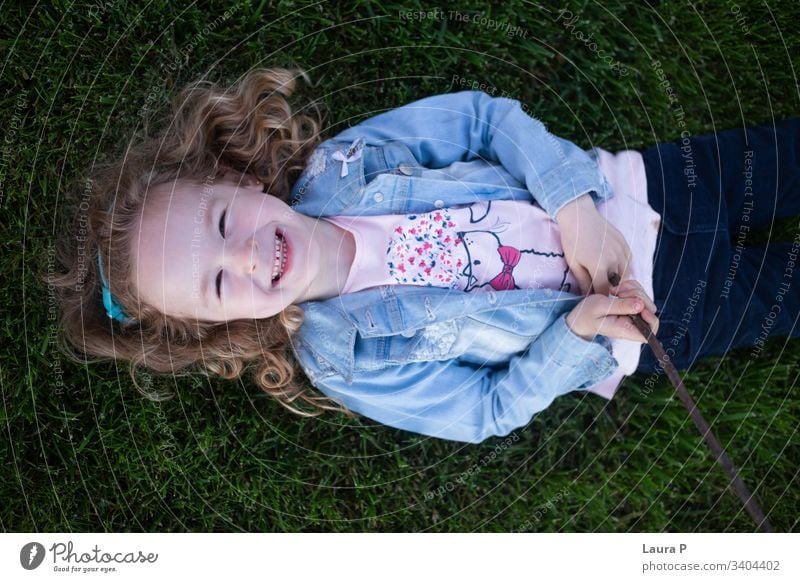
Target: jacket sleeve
<point>463,126</point>
<point>463,401</point>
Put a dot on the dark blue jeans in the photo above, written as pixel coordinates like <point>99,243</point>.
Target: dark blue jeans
<point>714,290</point>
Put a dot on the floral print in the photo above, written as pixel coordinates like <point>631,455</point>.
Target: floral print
<point>423,250</point>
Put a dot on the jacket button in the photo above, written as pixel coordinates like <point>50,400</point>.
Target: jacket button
<point>438,204</point>
<point>378,197</point>
<point>405,169</point>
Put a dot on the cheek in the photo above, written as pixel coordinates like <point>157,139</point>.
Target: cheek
<point>241,291</point>
<point>255,214</point>
<point>247,221</point>
<point>149,288</point>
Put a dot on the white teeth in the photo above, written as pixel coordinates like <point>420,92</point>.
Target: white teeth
<point>280,257</point>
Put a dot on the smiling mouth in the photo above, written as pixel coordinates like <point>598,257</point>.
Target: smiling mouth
<point>281,252</point>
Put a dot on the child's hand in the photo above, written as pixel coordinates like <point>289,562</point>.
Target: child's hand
<point>632,288</point>
<point>593,248</point>
<point>597,314</point>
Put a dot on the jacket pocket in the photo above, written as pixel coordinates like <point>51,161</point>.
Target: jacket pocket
<point>334,176</point>
<point>393,157</point>
<point>433,342</point>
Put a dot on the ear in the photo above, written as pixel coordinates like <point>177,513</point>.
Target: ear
<point>250,181</point>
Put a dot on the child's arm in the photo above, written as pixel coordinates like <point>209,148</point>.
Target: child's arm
<point>463,401</point>
<point>443,129</point>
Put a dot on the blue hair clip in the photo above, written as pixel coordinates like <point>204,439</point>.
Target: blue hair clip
<point>113,309</point>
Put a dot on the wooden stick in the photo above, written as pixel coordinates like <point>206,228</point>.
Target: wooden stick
<point>750,503</point>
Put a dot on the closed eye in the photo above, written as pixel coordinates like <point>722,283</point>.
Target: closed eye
<point>219,285</point>
<point>222,222</point>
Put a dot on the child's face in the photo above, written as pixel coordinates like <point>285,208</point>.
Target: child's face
<point>208,252</point>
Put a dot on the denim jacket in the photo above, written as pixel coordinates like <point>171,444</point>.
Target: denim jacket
<point>436,361</point>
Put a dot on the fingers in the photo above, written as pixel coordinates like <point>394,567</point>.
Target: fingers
<point>628,329</point>
<point>610,316</point>
<point>607,306</point>
<point>632,288</point>
<point>648,303</point>
<point>621,326</point>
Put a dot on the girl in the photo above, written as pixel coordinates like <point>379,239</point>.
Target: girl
<point>441,267</point>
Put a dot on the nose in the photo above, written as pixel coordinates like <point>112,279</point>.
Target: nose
<point>243,257</point>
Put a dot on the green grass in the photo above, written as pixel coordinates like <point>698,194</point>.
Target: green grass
<point>83,452</point>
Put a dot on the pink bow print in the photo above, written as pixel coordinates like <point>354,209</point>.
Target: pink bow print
<point>505,280</point>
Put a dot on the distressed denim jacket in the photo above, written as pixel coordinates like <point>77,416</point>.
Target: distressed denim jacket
<point>436,361</point>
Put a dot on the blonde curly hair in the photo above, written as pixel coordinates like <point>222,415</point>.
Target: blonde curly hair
<point>247,130</point>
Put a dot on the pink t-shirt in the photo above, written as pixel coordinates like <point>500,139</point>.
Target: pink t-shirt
<point>504,244</point>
